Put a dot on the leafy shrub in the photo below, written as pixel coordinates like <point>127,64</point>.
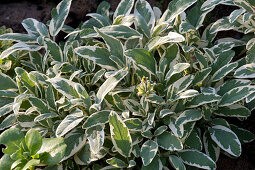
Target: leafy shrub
<point>126,87</point>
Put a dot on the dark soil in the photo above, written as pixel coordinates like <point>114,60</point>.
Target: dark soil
<point>12,12</point>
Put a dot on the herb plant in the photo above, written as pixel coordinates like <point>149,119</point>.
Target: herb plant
<point>141,89</point>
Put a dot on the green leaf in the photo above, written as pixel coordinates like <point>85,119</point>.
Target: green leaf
<point>19,47</point>
<point>114,45</point>
<point>235,95</point>
<point>211,148</point>
<point>69,122</point>
<point>178,68</point>
<point>96,118</point>
<point>155,164</point>
<point>235,110</point>
<point>133,124</point>
<point>169,142</point>
<point>6,162</point>
<point>6,109</point>
<point>54,50</point>
<point>65,87</point>
<point>183,83</point>
<point>226,139</point>
<point>33,141</point>
<point>197,159</point>
<point>144,9</point>
<point>18,37</point>
<point>223,24</point>
<point>176,7</point>
<point>98,54</point>
<point>59,15</point>
<point>165,112</point>
<point>243,135</point>
<point>109,85</point>
<point>74,141</point>
<point>120,135</point>
<point>176,162</point>
<point>153,98</point>
<point>148,152</point>
<point>97,76</point>
<point>11,138</point>
<point>6,83</point>
<point>246,71</point>
<point>202,99</point>
<point>124,8</point>
<point>8,121</point>
<point>115,162</point>
<point>143,59</point>
<point>95,136</point>
<point>31,163</point>
<point>52,150</point>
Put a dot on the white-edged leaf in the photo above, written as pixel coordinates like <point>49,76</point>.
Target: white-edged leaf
<point>18,37</point>
<point>176,162</point>
<point>115,162</point>
<point>96,118</point>
<point>134,124</point>
<point>222,72</point>
<point>124,8</point>
<point>211,148</point>
<point>235,95</point>
<point>245,71</point>
<point>165,112</point>
<point>235,110</point>
<point>120,135</point>
<point>157,41</point>
<point>197,159</point>
<point>178,68</point>
<point>35,28</point>
<point>6,83</point>
<point>95,136</point>
<point>243,135</point>
<point>19,47</point>
<point>169,141</point>
<point>148,152</point>
<point>226,139</point>
<point>45,116</point>
<point>109,85</point>
<point>176,7</point>
<point>69,122</point>
<point>201,75</point>
<point>65,87</point>
<point>59,15</point>
<point>98,54</point>
<point>74,140</point>
<point>143,59</point>
<point>54,50</point>
<point>231,84</point>
<point>193,141</point>
<point>144,9</point>
<point>202,99</point>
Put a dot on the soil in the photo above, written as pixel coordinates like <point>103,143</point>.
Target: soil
<point>12,12</point>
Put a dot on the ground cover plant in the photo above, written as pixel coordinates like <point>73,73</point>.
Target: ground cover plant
<point>136,88</point>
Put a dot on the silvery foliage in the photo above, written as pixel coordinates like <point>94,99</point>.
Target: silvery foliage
<point>130,86</point>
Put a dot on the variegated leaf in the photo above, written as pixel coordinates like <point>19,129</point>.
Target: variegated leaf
<point>124,8</point>
<point>95,136</point>
<point>69,122</point>
<point>176,162</point>
<point>246,71</point>
<point>96,118</point>
<point>25,38</point>
<point>148,152</point>
<point>235,110</point>
<point>202,99</point>
<point>120,135</point>
<point>197,159</point>
<point>226,139</point>
<point>169,141</point>
<point>59,15</point>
